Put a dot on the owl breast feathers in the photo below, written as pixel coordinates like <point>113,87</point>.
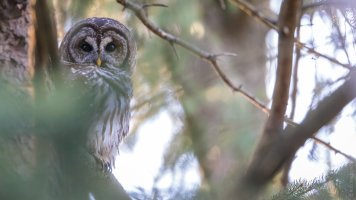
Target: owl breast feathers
<point>99,54</point>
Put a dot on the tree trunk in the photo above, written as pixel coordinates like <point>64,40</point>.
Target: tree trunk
<point>17,144</point>
<point>42,148</point>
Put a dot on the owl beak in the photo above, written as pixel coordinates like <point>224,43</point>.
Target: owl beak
<point>98,62</point>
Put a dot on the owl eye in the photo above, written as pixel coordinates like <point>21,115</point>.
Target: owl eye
<point>110,47</point>
<point>86,47</point>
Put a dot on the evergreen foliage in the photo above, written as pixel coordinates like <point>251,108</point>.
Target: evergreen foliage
<point>337,184</point>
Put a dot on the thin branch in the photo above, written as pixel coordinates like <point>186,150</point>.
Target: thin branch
<point>289,15</point>
<point>328,145</point>
<point>342,38</point>
<point>253,100</point>
<point>301,45</point>
<point>320,141</point>
<point>263,169</point>
<point>154,5</point>
<point>314,5</point>
<point>295,78</point>
<point>224,54</point>
<point>250,10</point>
<point>288,164</point>
<point>209,57</point>
<point>253,12</point>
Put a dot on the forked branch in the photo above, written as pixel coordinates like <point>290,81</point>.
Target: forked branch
<point>211,58</point>
<point>139,11</point>
<point>259,16</point>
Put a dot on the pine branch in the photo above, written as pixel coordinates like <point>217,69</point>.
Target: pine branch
<point>337,184</point>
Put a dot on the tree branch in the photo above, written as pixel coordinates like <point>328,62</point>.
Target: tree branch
<point>256,176</point>
<point>263,168</point>
<point>288,164</point>
<point>289,15</point>
<point>327,145</point>
<point>253,12</point>
<point>154,5</point>
<point>211,58</point>
<point>288,21</point>
<point>137,8</point>
<point>317,4</point>
<point>316,139</point>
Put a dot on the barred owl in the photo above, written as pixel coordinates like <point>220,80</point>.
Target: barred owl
<point>100,53</point>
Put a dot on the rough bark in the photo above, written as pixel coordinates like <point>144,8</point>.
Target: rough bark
<point>17,144</point>
<point>15,70</point>
<point>39,159</point>
<point>16,42</point>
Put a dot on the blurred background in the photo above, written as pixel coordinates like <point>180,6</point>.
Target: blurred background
<point>189,131</point>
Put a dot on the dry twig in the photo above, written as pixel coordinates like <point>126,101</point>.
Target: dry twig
<point>253,12</point>
<point>211,58</point>
<point>314,5</point>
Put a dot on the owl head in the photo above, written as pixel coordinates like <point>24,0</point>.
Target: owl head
<point>99,42</point>
<point>98,56</point>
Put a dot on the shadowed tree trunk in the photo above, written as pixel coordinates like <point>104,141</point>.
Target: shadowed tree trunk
<point>17,144</point>
<point>42,148</point>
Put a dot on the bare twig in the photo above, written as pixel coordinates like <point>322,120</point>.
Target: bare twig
<point>254,101</point>
<point>317,4</point>
<point>154,5</point>
<point>250,10</point>
<point>301,45</point>
<point>328,145</point>
<point>341,38</point>
<point>209,57</point>
<point>253,12</point>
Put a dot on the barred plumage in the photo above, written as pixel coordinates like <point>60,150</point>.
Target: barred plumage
<point>100,54</point>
